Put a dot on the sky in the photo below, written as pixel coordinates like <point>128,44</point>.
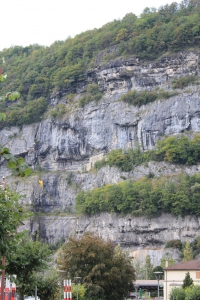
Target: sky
<point>25,22</point>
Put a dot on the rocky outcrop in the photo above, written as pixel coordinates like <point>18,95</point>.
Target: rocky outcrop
<point>60,149</point>
<point>110,125</point>
<point>141,236</point>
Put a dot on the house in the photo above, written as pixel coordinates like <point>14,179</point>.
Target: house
<point>174,276</point>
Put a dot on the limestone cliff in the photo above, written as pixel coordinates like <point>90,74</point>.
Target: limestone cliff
<point>62,148</point>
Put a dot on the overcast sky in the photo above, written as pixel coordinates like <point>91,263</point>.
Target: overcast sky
<point>25,22</point>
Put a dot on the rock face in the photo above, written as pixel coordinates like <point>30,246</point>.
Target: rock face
<point>62,149</point>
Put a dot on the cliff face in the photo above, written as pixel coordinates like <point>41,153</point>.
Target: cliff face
<point>63,147</point>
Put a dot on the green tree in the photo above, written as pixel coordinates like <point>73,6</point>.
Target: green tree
<point>28,258</point>
<point>11,214</point>
<point>158,269</point>
<point>167,257</point>
<point>187,252</point>
<point>47,285</point>
<point>192,292</point>
<point>19,167</point>
<point>177,294</point>
<point>149,267</point>
<point>105,271</point>
<point>140,270</point>
<point>80,289</point>
<point>11,96</point>
<point>187,281</point>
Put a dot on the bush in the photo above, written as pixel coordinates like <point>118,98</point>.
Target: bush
<point>125,160</point>
<point>31,113</point>
<point>196,246</point>
<point>149,197</point>
<point>177,294</point>
<point>174,244</point>
<point>59,111</point>
<point>176,149</point>
<point>180,150</point>
<point>193,293</point>
<point>182,82</point>
<point>92,94</point>
<point>143,97</point>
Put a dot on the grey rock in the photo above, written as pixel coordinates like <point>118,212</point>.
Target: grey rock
<point>61,148</point>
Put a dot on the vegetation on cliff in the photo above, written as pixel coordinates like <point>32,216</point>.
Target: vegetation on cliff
<point>36,71</point>
<point>173,149</point>
<point>178,195</point>
<point>139,98</point>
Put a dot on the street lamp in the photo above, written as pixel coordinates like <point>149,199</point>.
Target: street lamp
<point>77,281</point>
<point>60,283</point>
<point>158,277</point>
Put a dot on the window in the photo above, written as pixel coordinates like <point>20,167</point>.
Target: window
<point>198,275</point>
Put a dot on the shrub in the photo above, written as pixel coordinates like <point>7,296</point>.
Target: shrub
<point>125,160</point>
<point>149,197</point>
<point>59,111</point>
<point>180,150</point>
<point>174,244</point>
<point>144,97</point>
<point>192,293</point>
<point>177,294</point>
<point>182,82</point>
<point>188,281</point>
<point>31,113</point>
<point>92,94</point>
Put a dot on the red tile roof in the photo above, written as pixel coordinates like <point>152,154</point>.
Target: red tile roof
<point>189,265</point>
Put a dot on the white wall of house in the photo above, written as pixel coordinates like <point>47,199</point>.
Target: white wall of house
<point>174,278</point>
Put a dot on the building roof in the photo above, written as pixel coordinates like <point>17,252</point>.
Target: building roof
<point>189,265</point>
<point>149,285</point>
<point>143,282</point>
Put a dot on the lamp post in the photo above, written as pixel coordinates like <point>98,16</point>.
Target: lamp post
<point>36,288</point>
<point>60,283</point>
<point>77,281</point>
<point>158,277</point>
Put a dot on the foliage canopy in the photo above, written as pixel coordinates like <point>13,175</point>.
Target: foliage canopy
<point>178,195</point>
<point>11,214</point>
<point>106,271</point>
<point>28,257</point>
<point>37,71</point>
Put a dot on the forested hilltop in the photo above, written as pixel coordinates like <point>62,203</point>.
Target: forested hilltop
<point>36,71</point>
<point>109,123</point>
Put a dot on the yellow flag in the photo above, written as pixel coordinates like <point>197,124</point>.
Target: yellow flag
<point>40,183</point>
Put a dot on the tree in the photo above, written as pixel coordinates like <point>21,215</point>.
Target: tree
<point>78,288</point>
<point>140,271</point>
<point>149,267</point>
<point>192,292</point>
<point>28,258</point>
<point>47,285</point>
<point>106,271</point>
<point>177,294</point>
<point>168,258</point>
<point>11,214</point>
<point>18,166</point>
<point>187,281</point>
<point>158,269</point>
<point>187,252</point>
<point>9,96</point>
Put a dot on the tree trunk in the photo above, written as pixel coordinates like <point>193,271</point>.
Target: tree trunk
<point>21,294</point>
